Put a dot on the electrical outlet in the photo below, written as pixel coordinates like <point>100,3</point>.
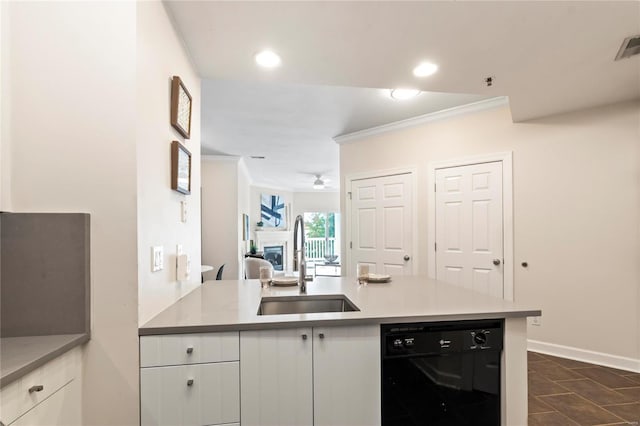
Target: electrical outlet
<point>537,321</point>
<point>157,258</point>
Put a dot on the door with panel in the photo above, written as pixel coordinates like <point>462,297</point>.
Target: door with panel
<point>346,376</point>
<point>276,377</point>
<point>382,224</point>
<point>469,227</point>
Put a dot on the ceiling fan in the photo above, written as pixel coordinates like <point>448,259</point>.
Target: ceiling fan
<point>320,182</point>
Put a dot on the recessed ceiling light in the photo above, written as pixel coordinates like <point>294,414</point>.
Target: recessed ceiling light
<point>425,69</point>
<point>403,94</point>
<point>268,59</point>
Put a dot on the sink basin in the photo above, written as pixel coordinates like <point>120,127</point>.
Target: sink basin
<point>305,304</point>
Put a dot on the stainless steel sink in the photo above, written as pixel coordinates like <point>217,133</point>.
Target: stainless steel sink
<point>305,304</point>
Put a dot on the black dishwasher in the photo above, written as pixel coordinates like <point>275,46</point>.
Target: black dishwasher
<point>441,373</point>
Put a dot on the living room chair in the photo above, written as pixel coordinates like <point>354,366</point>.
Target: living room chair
<point>252,267</point>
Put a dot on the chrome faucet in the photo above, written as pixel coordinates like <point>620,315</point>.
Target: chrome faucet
<point>300,265</point>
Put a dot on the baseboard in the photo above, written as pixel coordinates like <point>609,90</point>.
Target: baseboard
<point>599,358</point>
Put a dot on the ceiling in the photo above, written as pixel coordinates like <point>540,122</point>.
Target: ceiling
<point>293,125</point>
<point>548,57</point>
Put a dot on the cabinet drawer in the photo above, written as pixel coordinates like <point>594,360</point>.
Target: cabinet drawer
<point>178,349</point>
<point>62,408</point>
<point>199,394</point>
<point>15,398</point>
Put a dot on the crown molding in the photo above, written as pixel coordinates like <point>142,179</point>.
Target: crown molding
<point>221,158</point>
<point>422,119</point>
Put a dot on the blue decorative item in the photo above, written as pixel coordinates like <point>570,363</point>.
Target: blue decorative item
<point>272,211</point>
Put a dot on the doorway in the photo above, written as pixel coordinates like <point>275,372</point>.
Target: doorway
<point>470,229</point>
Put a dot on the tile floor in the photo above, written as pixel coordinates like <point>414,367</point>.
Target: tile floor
<point>564,392</point>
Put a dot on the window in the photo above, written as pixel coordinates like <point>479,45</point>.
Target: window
<point>322,234</point>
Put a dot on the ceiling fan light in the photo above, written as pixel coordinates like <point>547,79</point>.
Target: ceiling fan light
<point>318,183</point>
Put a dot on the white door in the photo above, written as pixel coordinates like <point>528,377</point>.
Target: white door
<point>382,224</point>
<point>469,228</point>
<point>276,377</point>
<point>346,376</point>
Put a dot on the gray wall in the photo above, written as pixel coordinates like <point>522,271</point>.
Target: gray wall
<point>44,274</point>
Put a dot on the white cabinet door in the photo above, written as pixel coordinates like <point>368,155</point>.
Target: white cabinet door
<point>61,408</point>
<point>346,375</point>
<point>198,394</point>
<point>276,377</point>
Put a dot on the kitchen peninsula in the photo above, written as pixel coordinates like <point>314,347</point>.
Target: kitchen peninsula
<point>211,358</point>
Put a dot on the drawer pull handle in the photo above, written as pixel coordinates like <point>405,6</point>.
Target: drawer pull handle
<point>304,337</point>
<point>321,335</point>
<point>190,382</point>
<point>190,350</point>
<point>36,388</point>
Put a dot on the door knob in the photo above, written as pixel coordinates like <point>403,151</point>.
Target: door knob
<point>407,258</point>
<point>496,262</point>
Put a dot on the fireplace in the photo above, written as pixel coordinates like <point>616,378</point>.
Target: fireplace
<point>266,240</point>
<point>274,254</point>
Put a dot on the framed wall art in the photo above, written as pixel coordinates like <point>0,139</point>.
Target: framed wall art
<point>180,107</point>
<point>272,211</point>
<point>180,168</point>
<point>245,227</point>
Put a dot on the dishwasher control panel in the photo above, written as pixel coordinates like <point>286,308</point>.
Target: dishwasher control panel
<point>440,338</point>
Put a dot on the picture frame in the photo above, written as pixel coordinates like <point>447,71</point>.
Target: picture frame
<point>180,168</point>
<point>181,105</point>
<point>273,211</point>
<point>245,227</point>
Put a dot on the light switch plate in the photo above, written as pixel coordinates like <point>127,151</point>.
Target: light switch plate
<point>537,321</point>
<point>183,211</point>
<point>157,258</point>
<point>178,249</point>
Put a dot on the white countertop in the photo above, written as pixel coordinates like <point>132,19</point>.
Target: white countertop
<point>21,355</point>
<point>233,305</point>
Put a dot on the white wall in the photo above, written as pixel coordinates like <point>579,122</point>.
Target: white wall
<point>577,211</point>
<point>315,202</point>
<point>72,122</point>
<point>220,217</point>
<point>160,56</point>
<point>5,96</point>
<point>244,207</point>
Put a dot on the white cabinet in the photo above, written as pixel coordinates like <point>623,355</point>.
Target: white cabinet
<point>346,376</point>
<point>331,377</point>
<point>197,394</point>
<point>276,377</point>
<point>61,408</point>
<point>190,379</point>
<point>30,399</point>
<point>179,349</point>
